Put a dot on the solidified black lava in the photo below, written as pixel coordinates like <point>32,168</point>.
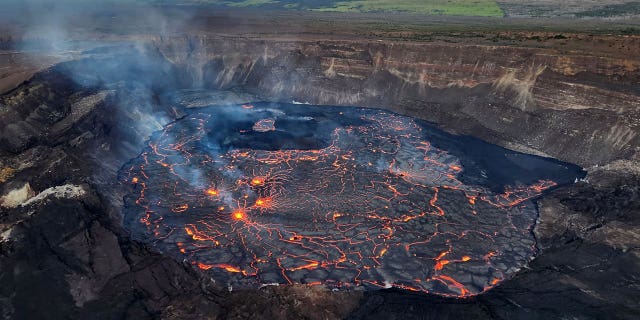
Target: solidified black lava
<point>277,193</point>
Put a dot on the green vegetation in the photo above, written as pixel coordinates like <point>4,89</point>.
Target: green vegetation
<point>247,3</point>
<point>486,8</point>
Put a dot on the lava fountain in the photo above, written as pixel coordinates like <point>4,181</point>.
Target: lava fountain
<point>276,193</point>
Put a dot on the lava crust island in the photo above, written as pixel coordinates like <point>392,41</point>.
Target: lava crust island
<point>276,193</point>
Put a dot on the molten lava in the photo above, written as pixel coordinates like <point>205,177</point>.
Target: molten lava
<point>257,181</point>
<point>372,203</point>
<point>239,215</point>
<point>264,203</point>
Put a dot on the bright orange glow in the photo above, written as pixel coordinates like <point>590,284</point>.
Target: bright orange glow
<point>204,266</point>
<point>212,192</point>
<point>433,200</point>
<point>440,264</point>
<point>309,266</point>
<point>230,268</point>
<point>226,267</point>
<point>134,180</point>
<point>238,215</point>
<point>180,208</point>
<point>466,258</point>
<point>257,181</point>
<point>264,202</point>
<point>195,234</point>
<point>452,282</point>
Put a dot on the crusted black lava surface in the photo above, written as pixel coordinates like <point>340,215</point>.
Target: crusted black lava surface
<point>278,193</point>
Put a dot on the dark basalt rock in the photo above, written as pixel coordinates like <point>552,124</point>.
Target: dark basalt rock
<point>579,273</point>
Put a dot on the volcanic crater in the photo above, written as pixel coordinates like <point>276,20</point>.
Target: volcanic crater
<point>273,193</point>
<point>405,205</point>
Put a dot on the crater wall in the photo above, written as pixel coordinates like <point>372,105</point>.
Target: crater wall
<point>572,106</point>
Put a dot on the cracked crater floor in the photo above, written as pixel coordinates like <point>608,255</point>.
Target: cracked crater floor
<point>344,197</point>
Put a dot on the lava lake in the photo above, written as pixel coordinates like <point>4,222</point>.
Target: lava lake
<point>345,197</point>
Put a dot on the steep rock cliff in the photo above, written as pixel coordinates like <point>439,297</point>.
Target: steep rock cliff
<point>573,106</point>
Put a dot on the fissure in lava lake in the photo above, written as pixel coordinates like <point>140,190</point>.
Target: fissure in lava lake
<point>276,193</point>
